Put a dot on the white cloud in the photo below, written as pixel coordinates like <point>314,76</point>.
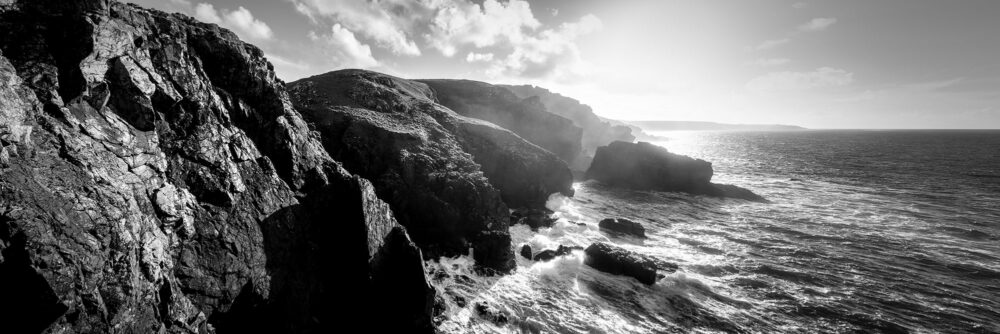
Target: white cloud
<point>551,54</point>
<point>459,22</point>
<point>799,81</point>
<point>769,62</point>
<point>386,22</point>
<point>477,57</point>
<point>818,24</point>
<point>206,13</point>
<point>800,5</point>
<point>346,50</point>
<point>771,44</point>
<point>240,21</point>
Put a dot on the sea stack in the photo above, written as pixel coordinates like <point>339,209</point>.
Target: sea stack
<point>644,166</point>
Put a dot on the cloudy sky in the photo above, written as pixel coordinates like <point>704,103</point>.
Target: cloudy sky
<point>819,64</point>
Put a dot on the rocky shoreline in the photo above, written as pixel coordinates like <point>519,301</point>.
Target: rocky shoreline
<point>156,176</point>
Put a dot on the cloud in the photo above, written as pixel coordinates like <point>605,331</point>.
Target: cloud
<point>345,49</point>
<point>551,54</point>
<point>240,21</point>
<point>771,44</point>
<point>818,24</point>
<point>479,57</point>
<point>463,22</point>
<point>799,81</point>
<point>800,5</point>
<point>386,22</point>
<point>769,62</point>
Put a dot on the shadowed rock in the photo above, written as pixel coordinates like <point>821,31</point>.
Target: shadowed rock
<point>526,252</point>
<point>619,261</point>
<point>526,117</point>
<point>155,179</point>
<point>624,226</point>
<point>534,218</point>
<point>645,166</point>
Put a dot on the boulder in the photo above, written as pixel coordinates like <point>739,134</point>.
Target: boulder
<point>619,261</point>
<point>545,255</point>
<point>624,226</point>
<point>644,166</point>
<point>534,218</point>
<point>527,117</point>
<point>566,250</point>
<point>491,313</point>
<point>155,179</point>
<point>526,251</point>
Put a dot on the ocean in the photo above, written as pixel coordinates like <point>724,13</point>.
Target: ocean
<point>869,231</point>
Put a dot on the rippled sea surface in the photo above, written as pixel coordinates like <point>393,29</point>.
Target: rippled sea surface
<point>869,231</point>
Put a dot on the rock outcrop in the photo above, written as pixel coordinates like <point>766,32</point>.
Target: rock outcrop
<point>645,166</point>
<point>439,170</point>
<point>155,178</point>
<point>596,131</point>
<point>619,261</point>
<point>527,117</point>
<point>624,226</point>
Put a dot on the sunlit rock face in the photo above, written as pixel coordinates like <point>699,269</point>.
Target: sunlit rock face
<point>596,131</point>
<point>155,178</point>
<point>646,166</point>
<point>527,117</point>
<point>450,178</point>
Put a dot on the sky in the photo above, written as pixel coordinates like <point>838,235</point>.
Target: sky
<point>820,64</point>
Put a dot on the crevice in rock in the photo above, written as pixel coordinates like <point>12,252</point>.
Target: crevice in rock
<point>26,298</point>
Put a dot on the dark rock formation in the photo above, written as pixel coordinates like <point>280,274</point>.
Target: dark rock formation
<point>526,252</point>
<point>491,314</point>
<point>417,154</point>
<point>566,250</point>
<point>526,117</point>
<point>645,166</point>
<point>545,255</point>
<point>534,218</point>
<point>154,178</point>
<point>619,261</point>
<point>596,131</point>
<point>622,225</point>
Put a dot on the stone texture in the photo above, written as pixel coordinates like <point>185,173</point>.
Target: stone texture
<point>645,166</point>
<point>619,261</point>
<point>155,178</point>
<point>622,225</point>
<point>526,117</point>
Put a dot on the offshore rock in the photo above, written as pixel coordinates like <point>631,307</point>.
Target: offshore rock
<point>526,117</point>
<point>619,261</point>
<point>645,166</point>
<point>534,218</point>
<point>624,226</point>
<point>155,178</point>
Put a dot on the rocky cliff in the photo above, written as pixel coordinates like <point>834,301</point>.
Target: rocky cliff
<point>527,117</point>
<point>645,166</point>
<point>154,177</point>
<point>452,178</point>
<point>596,131</point>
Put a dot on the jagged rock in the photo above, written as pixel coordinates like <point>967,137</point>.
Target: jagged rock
<point>622,225</point>
<point>545,255</point>
<point>534,218</point>
<point>619,261</point>
<point>526,117</point>
<point>645,166</point>
<point>566,250</point>
<point>156,179</point>
<point>596,131</point>
<point>526,252</point>
<point>491,314</point>
<point>428,162</point>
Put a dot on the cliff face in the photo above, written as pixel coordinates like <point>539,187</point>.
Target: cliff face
<point>417,153</point>
<point>596,131</point>
<point>527,117</point>
<point>155,178</point>
<point>645,166</point>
